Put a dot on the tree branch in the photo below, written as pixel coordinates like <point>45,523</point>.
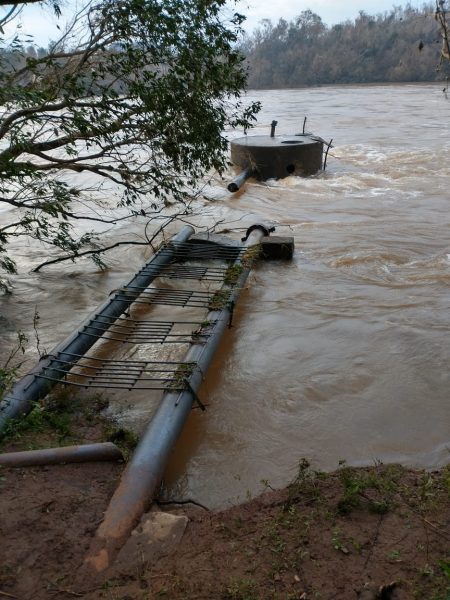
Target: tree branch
<point>25,112</point>
<point>86,253</point>
<point>71,215</point>
<point>135,96</point>
<point>8,2</point>
<point>9,15</point>
<point>93,133</point>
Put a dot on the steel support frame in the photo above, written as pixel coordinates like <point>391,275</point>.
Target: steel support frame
<point>19,401</point>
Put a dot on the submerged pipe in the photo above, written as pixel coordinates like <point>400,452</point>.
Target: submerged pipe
<point>67,454</point>
<point>272,128</point>
<point>145,469</point>
<point>30,388</point>
<point>239,181</point>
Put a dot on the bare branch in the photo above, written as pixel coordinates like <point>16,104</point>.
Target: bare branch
<point>86,253</point>
<point>10,15</point>
<point>27,112</point>
<point>8,2</point>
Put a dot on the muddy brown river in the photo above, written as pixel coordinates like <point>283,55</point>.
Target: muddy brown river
<point>341,354</point>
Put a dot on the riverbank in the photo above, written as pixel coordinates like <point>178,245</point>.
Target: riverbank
<point>379,532</point>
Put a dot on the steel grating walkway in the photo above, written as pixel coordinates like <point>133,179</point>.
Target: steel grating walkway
<point>204,251</point>
<point>132,331</point>
<point>86,371</point>
<point>90,371</point>
<point>189,272</point>
<point>169,297</point>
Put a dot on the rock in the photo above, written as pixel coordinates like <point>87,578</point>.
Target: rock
<point>157,535</point>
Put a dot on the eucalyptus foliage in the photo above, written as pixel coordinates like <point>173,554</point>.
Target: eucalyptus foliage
<point>135,93</point>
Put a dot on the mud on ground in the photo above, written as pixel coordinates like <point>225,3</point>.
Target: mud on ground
<point>381,532</point>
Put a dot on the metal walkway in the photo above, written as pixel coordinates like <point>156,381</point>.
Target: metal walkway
<point>89,371</point>
<point>182,260</point>
<point>132,331</point>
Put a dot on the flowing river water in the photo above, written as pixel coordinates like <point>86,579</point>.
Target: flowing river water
<point>341,354</point>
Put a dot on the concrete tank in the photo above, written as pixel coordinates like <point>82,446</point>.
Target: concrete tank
<point>278,156</point>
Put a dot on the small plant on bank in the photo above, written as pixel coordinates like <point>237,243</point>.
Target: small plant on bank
<point>8,372</point>
<point>241,589</point>
<point>39,420</point>
<point>337,542</point>
<point>394,555</point>
<point>444,565</point>
<point>305,485</point>
<point>426,571</point>
<point>373,489</point>
<point>64,418</point>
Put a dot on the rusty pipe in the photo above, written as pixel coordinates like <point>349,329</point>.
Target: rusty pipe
<point>67,454</point>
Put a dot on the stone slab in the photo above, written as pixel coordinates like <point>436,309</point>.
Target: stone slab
<point>276,247</point>
<point>157,535</point>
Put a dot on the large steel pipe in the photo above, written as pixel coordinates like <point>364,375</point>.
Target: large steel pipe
<point>239,180</point>
<point>145,470</point>
<point>67,454</point>
<point>30,388</point>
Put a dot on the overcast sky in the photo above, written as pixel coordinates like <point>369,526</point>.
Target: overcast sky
<point>41,23</point>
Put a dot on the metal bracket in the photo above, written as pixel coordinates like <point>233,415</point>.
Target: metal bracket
<point>194,395</point>
<point>231,306</point>
<point>266,231</point>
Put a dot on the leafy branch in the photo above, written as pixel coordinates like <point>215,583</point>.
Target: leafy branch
<point>122,116</point>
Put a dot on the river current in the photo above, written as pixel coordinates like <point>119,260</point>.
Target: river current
<point>341,354</point>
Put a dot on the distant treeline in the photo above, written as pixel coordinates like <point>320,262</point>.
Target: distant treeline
<point>397,46</point>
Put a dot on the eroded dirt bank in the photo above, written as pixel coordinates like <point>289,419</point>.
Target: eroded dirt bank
<point>380,532</point>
